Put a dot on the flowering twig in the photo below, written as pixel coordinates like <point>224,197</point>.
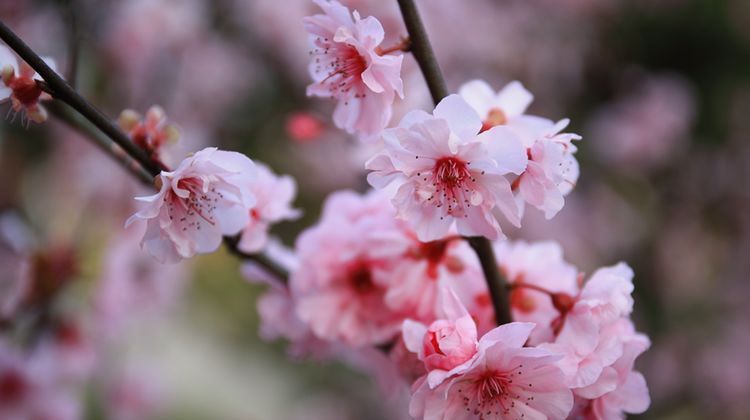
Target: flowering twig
<point>422,50</point>
<point>119,147</point>
<point>61,90</point>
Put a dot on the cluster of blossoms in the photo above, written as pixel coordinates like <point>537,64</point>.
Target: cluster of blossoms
<point>385,279</point>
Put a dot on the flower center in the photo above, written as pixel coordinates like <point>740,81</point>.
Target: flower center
<point>25,90</point>
<point>13,386</point>
<point>344,66</point>
<point>195,209</point>
<point>360,278</point>
<point>452,186</point>
<point>495,117</point>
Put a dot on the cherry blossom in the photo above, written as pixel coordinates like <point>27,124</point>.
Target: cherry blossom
<point>540,281</point>
<point>197,203</point>
<point>503,380</point>
<point>345,266</point>
<point>443,174</point>
<point>20,85</point>
<point>346,65</point>
<point>273,195</point>
<point>503,107</point>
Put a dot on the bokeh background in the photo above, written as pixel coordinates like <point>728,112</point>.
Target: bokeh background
<point>659,89</point>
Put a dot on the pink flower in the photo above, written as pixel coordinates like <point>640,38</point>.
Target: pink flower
<point>151,133</point>
<point>552,171</point>
<point>501,108</point>
<point>20,85</point>
<point>273,195</point>
<point>346,66</point>
<point>504,380</point>
<point>16,260</point>
<point>197,203</point>
<point>443,172</point>
<point>345,269</point>
<point>539,278</point>
<point>446,343</point>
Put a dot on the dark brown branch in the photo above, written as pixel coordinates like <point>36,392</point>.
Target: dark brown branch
<point>422,50</point>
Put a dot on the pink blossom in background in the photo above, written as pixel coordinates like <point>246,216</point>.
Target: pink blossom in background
<point>443,175</point>
<point>133,393</point>
<point>303,127</point>
<point>528,267</point>
<point>503,380</point>
<point>274,195</point>
<point>346,65</point>
<point>345,267</point>
<point>205,198</point>
<point>16,263</point>
<point>19,85</point>
<point>647,127</point>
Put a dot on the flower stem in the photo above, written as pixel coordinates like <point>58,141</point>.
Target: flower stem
<point>422,50</point>
<point>63,91</point>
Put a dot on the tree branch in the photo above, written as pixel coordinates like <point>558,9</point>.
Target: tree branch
<point>61,90</point>
<point>422,50</point>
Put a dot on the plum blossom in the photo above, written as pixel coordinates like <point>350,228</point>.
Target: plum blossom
<point>540,279</point>
<point>600,344</point>
<point>346,64</point>
<point>273,195</point>
<point>197,203</point>
<point>20,85</point>
<point>152,132</point>
<point>443,175</point>
<point>552,170</point>
<point>502,380</point>
<point>345,269</point>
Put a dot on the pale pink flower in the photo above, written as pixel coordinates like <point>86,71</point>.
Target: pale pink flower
<point>133,393</point>
<point>443,172</point>
<point>197,203</point>
<point>346,65</point>
<point>539,277</point>
<point>599,341</point>
<point>446,343</point>
<point>501,108</point>
<point>151,133</point>
<point>504,380</point>
<point>16,260</point>
<point>345,269</point>
<point>273,195</point>
<point>20,85</point>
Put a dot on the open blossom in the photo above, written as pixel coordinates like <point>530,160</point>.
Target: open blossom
<point>151,133</point>
<point>552,169</point>
<point>19,84</point>
<point>197,203</point>
<point>540,280</point>
<point>273,195</point>
<point>344,272</point>
<point>347,65</point>
<point>444,175</point>
<point>503,380</point>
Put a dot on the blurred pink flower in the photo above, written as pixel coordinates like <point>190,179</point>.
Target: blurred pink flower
<point>16,260</point>
<point>443,173</point>
<point>503,380</point>
<point>538,275</point>
<point>151,133</point>
<point>20,85</point>
<point>133,393</point>
<point>303,127</point>
<point>346,65</point>
<point>345,269</point>
<point>647,127</point>
<point>205,198</point>
<point>274,195</point>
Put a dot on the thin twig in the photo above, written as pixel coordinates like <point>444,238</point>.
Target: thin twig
<point>262,260</point>
<point>422,50</point>
<point>63,91</point>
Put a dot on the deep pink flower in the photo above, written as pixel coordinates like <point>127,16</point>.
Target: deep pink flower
<point>273,195</point>
<point>444,173</point>
<point>504,380</point>
<point>20,85</point>
<point>205,198</point>
<point>346,65</point>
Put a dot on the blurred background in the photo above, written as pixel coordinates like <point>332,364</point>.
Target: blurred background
<point>659,89</point>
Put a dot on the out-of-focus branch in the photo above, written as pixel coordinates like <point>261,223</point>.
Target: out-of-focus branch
<point>422,50</point>
<point>61,90</point>
<point>262,260</point>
